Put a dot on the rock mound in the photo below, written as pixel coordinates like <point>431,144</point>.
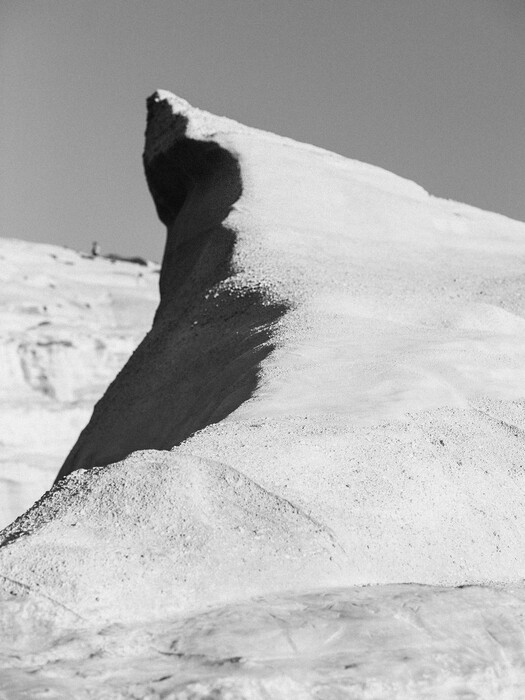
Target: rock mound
<point>159,534</point>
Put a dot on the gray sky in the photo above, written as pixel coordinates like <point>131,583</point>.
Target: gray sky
<point>433,90</point>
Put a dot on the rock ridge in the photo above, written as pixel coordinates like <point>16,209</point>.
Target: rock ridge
<point>201,359</point>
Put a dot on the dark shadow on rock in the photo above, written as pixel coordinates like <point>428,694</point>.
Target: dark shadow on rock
<point>202,357</point>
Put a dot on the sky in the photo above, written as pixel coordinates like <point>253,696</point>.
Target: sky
<point>431,90</point>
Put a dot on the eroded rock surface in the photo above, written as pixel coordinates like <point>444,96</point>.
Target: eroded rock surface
<point>68,323</point>
<point>337,366</point>
<point>349,342</point>
<point>398,642</point>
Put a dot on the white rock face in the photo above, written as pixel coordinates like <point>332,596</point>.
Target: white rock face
<point>155,528</point>
<point>398,642</point>
<point>343,339</point>
<point>68,322</point>
<point>337,366</point>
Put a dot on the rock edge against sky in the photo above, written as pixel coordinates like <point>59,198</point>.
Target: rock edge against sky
<point>331,395</point>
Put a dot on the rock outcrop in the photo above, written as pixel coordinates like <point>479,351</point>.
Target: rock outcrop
<point>340,337</point>
<point>337,365</point>
<point>212,331</point>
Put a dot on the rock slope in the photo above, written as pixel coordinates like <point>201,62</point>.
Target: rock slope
<point>340,337</point>
<point>68,323</point>
<point>337,366</point>
<point>397,642</point>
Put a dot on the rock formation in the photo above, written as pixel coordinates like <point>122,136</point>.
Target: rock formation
<point>68,323</point>
<point>337,366</point>
<point>212,331</point>
<point>340,337</point>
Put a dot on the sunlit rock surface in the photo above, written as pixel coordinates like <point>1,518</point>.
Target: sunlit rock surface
<point>337,366</point>
<point>68,322</point>
<point>397,642</point>
<point>342,338</point>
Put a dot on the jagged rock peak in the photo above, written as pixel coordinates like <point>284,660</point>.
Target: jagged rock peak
<point>170,116</point>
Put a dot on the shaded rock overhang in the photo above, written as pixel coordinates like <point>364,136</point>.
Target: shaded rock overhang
<point>194,184</point>
<point>201,360</point>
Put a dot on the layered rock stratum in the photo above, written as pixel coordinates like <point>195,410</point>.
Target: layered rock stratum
<point>331,396</point>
